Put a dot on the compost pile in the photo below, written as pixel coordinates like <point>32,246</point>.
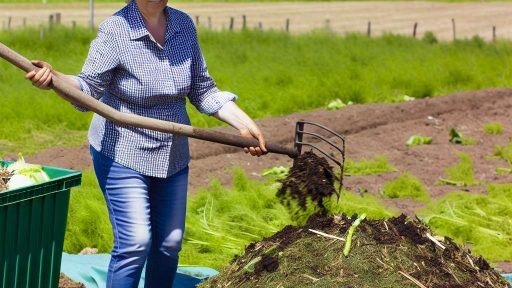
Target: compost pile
<point>337,251</point>
<point>311,178</point>
<point>385,253</point>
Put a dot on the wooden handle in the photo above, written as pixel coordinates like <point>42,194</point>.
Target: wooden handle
<point>77,97</point>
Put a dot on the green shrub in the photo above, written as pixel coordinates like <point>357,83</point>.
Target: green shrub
<point>377,165</point>
<point>478,41</point>
<point>460,174</point>
<point>430,38</point>
<point>416,140</point>
<point>457,138</point>
<point>352,203</point>
<point>493,128</point>
<point>406,186</point>
<point>503,152</point>
<point>482,220</point>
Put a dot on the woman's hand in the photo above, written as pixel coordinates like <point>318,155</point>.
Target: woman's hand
<point>42,78</point>
<point>256,133</point>
<point>234,116</point>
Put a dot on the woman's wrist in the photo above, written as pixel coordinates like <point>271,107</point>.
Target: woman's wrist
<point>231,114</point>
<point>236,117</point>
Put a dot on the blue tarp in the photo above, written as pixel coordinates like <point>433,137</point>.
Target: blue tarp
<point>508,277</point>
<point>91,270</point>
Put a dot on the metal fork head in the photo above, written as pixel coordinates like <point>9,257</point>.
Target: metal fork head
<point>300,132</point>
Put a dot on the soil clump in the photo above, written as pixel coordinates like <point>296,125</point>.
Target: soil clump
<point>310,178</point>
<point>66,282</point>
<point>385,253</point>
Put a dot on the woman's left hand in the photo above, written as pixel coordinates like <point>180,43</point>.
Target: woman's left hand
<point>255,133</point>
<point>236,117</point>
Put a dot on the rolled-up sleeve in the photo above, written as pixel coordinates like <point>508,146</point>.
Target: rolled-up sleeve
<point>204,94</point>
<point>98,69</point>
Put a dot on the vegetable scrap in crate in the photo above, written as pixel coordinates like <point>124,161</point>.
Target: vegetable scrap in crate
<point>20,173</point>
<point>5,175</point>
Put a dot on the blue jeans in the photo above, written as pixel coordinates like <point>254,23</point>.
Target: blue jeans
<point>148,220</point>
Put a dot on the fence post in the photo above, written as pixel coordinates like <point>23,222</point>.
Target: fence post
<point>9,20</point>
<point>91,15</point>
<point>454,31</point>
<point>244,22</point>
<point>209,23</point>
<point>414,29</point>
<point>260,26</point>
<point>197,20</point>
<point>57,18</point>
<point>41,31</point>
<point>287,28</point>
<point>493,33</point>
<point>231,23</point>
<point>73,24</point>
<point>24,22</point>
<point>328,26</point>
<point>50,21</point>
<point>369,31</point>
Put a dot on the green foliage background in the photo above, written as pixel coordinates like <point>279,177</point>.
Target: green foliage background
<point>406,186</point>
<point>273,73</point>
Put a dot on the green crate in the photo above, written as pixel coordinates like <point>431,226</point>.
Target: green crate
<point>32,227</point>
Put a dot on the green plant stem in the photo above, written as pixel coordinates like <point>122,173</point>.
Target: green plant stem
<point>351,230</point>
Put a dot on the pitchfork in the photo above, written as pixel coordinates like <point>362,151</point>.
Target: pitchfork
<point>77,97</point>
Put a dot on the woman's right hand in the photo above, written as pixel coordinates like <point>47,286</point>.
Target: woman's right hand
<point>41,78</point>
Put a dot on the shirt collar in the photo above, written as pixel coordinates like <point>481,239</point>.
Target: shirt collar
<point>138,28</point>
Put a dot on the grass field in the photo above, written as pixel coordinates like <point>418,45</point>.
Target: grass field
<point>273,73</point>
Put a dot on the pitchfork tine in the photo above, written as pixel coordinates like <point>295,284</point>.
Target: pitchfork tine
<point>299,142</point>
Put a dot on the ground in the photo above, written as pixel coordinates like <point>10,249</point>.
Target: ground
<point>370,130</point>
<point>394,16</point>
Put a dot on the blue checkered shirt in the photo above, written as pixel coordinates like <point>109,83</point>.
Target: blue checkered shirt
<point>129,71</point>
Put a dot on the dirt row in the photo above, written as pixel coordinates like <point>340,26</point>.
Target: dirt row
<point>396,17</point>
<point>370,130</point>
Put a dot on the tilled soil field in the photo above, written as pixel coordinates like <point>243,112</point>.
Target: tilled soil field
<point>396,17</point>
<point>370,130</point>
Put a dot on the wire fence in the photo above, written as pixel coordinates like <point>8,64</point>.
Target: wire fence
<point>55,19</point>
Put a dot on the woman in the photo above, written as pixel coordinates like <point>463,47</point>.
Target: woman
<point>146,60</point>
